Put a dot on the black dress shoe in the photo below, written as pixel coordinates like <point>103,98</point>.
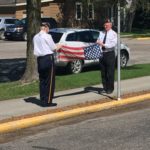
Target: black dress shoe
<point>52,104</point>
<point>45,104</point>
<point>102,91</point>
<point>109,91</point>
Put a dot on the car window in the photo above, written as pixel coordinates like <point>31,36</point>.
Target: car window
<point>72,37</point>
<point>95,35</point>
<point>82,36</point>
<point>56,36</point>
<point>85,36</point>
<point>0,20</point>
<point>10,21</point>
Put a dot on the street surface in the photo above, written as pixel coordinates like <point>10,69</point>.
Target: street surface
<point>13,54</point>
<point>140,50</point>
<point>124,128</point>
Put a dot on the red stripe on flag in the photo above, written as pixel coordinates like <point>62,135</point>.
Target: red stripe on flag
<point>67,53</point>
<point>69,57</point>
<point>70,52</point>
<point>73,48</point>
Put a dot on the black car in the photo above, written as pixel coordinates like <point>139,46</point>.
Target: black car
<point>19,30</point>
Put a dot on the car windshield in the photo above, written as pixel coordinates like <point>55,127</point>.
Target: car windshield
<point>20,22</point>
<point>10,21</point>
<point>56,36</point>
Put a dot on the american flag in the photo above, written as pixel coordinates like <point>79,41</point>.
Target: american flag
<point>68,53</point>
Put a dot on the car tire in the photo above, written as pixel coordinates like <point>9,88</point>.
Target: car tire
<point>75,66</point>
<point>123,58</point>
<point>2,37</point>
<point>25,36</point>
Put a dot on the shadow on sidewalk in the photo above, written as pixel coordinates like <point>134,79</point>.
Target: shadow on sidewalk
<point>96,90</point>
<point>44,148</point>
<point>86,90</point>
<point>11,69</point>
<point>33,100</point>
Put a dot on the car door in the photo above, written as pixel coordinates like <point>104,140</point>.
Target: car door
<point>82,39</point>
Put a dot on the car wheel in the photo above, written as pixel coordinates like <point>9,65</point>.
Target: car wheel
<point>25,36</point>
<point>123,59</point>
<point>75,66</point>
<point>2,37</point>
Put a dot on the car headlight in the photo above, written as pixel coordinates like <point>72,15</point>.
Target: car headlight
<point>19,29</point>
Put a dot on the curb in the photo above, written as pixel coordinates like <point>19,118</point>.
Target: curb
<point>144,38</point>
<point>30,122</point>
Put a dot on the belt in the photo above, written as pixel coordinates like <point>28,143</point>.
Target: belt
<point>109,49</point>
<point>48,55</point>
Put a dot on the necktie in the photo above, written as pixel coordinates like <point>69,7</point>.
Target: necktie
<point>104,40</point>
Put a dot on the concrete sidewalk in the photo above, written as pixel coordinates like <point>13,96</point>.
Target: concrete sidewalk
<point>29,105</point>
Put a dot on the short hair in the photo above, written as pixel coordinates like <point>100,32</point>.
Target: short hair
<point>107,21</point>
<point>45,24</point>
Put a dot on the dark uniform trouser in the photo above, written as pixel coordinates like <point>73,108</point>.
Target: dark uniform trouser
<point>46,70</point>
<point>107,66</point>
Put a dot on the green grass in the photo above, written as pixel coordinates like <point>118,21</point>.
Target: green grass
<point>138,33</point>
<point>14,90</point>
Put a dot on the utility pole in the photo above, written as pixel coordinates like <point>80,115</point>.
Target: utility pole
<point>118,48</point>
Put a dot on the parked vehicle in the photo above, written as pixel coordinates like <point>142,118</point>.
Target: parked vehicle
<point>82,37</point>
<point>4,23</point>
<point>19,30</point>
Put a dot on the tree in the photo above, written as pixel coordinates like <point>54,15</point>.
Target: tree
<point>33,8</point>
<point>131,11</point>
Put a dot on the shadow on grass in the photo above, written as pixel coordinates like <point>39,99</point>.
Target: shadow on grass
<point>132,68</point>
<point>60,71</point>
<point>11,69</point>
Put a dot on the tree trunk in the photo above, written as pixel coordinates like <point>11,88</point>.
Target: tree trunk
<point>130,16</point>
<point>33,26</point>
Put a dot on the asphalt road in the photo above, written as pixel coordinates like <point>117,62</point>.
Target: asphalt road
<point>140,50</point>
<point>13,54</point>
<point>124,128</point>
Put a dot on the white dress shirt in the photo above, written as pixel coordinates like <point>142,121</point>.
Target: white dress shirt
<point>43,44</point>
<point>111,38</point>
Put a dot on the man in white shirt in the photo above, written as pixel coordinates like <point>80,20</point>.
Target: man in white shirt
<point>107,40</point>
<point>44,48</point>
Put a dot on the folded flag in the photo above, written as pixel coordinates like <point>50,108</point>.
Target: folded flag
<point>67,53</point>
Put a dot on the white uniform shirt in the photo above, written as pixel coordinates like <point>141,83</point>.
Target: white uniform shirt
<point>43,44</point>
<point>111,38</point>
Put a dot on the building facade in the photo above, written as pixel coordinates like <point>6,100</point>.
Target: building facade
<point>68,13</point>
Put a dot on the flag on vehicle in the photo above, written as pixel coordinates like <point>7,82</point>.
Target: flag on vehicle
<point>68,53</point>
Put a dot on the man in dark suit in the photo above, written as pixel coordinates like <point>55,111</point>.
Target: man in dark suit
<point>107,40</point>
<point>44,48</point>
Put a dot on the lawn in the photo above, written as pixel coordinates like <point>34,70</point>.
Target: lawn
<point>14,90</point>
<point>136,33</point>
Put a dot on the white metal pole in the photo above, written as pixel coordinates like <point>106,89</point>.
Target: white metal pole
<point>118,47</point>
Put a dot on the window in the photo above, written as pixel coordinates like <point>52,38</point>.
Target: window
<point>90,11</point>
<point>72,37</point>
<point>85,36</point>
<point>56,36</point>
<point>78,11</point>
<point>95,35</point>
<point>10,21</point>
